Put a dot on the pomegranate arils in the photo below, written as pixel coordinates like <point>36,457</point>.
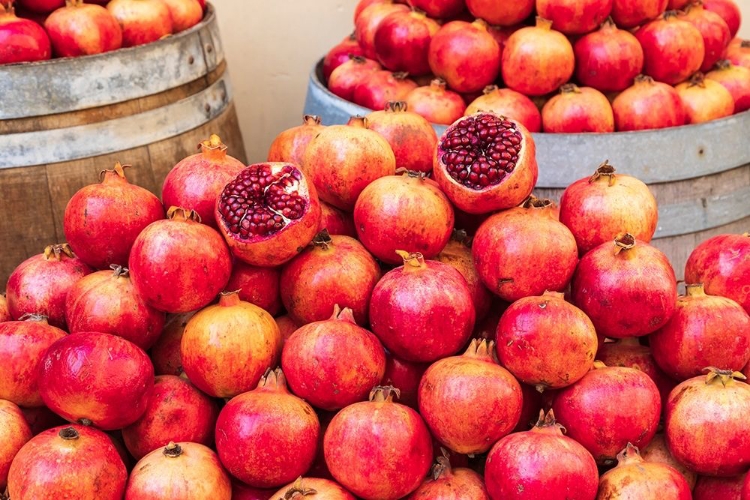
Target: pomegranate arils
<point>483,152</point>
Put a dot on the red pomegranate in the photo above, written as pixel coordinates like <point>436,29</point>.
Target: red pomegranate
<point>184,470</point>
<point>470,401</point>
<point>633,477</point>
<point>465,55</point>
<point>14,433</point>
<point>334,270</point>
<point>447,483</point>
<point>633,106</point>
<point>176,411</point>
<point>22,346</point>
<point>40,284</point>
<point>537,59</point>
<point>440,9</point>
<point>257,285</point>
<point>631,13</point>
<point>405,212</point>
<point>705,414</point>
<point>501,13</point>
<point>672,48</point>
<point>320,375</point>
<point>677,4</point>
<point>241,491</point>
<point>507,102</point>
<point>345,78</point>
<point>37,6</point>
<point>179,265</point>
<point>720,488</point>
<point>402,40</point>
<point>597,208</point>
<point>227,347</point>
<point>562,467</point>
<point>738,52</point>
<point>290,145</point>
<point>46,465</point>
<point>411,316</point>
<point>338,55</point>
<point>142,21</point>
<point>714,30</point>
<point>378,449</point>
<point>628,288</point>
<point>267,437</point>
<point>336,221</point>
<point>546,342</point>
<point>313,487</point>
<point>485,163</point>
<point>736,79</point>
<point>4,313</point>
<point>436,103</point>
<point>287,327</point>
<point>622,404</point>
<point>574,17</point>
<point>367,23</point>
<point>165,353</point>
<point>657,451</point>
<point>728,10</point>
<point>343,159</point>
<point>102,221</point>
<point>405,376</point>
<point>578,110</point>
<point>380,87</point>
<point>21,40</point>
<point>196,181</point>
<point>704,99</point>
<point>80,29</point>
<point>507,241</point>
<point>184,13</point>
<point>721,263</point>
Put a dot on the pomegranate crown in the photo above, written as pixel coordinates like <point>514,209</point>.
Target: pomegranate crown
<point>298,490</point>
<point>723,376</point>
<point>57,251</point>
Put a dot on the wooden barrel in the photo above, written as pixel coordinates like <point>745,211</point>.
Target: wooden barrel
<point>699,174</point>
<point>63,121</point>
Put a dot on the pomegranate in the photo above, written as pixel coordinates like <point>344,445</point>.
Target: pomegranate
<point>608,59</point>
<point>436,103</point>
<point>716,488</point>
<point>228,346</point>
<point>622,404</point>
<point>405,376</point>
<point>313,487</point>
<point>736,79</point>
<point>179,471</point>
<point>638,295</point>
<point>633,477</point>
<point>411,316</point>
<point>508,241</point>
<point>657,451</point>
<point>334,270</point>
<point>102,221</point>
<point>241,491</point>
<point>41,418</point>
<point>378,449</point>
<point>704,415</point>
<point>507,102</point>
<point>367,23</point>
<point>574,17</point>
<point>345,78</point>
<point>633,106</point>
<point>22,346</point>
<point>363,4</point>
<point>447,483</point>
<point>485,163</point>
<point>501,13</point>
<point>14,433</point>
<point>578,110</point>
<point>408,212</point>
<point>672,48</point>
<point>40,283</point>
<point>4,313</point>
<point>38,6</point>
<point>142,21</point>
<point>704,99</point>
<point>343,159</point>
<point>196,181</point>
<point>677,4</point>
<point>290,145</point>
<point>107,302</point>
<point>377,88</point>
<point>165,353</point>
<point>402,40</point>
<point>440,9</point>
<point>83,29</point>
<point>474,386</point>
<point>336,221</point>
<point>739,53</point>
<point>21,40</point>
<point>74,461</point>
<point>546,342</point>
<point>631,13</point>
<point>287,327</point>
<point>714,31</point>
<point>562,468</point>
<point>597,208</point>
<point>184,13</point>
<point>465,55</point>
<point>537,59</point>
<point>267,437</point>
<point>258,285</point>
<point>721,263</point>
<point>728,10</point>
<point>338,55</point>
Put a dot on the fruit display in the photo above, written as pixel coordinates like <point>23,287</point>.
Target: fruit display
<point>557,66</point>
<point>375,312</point>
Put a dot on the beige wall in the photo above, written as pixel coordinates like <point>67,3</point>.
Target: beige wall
<point>271,45</point>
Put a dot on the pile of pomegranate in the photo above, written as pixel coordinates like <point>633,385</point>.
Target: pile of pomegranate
<point>556,66</point>
<point>375,313</point>
<point>37,30</point>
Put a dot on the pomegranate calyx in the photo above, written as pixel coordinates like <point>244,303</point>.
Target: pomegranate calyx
<point>297,490</point>
<point>570,88</point>
<point>213,142</point>
<point>598,365</point>
<point>68,433</point>
<point>697,80</point>
<point>384,393</point>
<point>400,75</point>
<point>229,298</point>
<point>395,106</point>
<point>670,14</point>
<point>34,317</point>
<point>183,214</point>
<point>57,251</point>
<point>413,174</point>
<point>644,79</point>
<point>547,423</point>
<point>412,261</point>
<point>604,170</point>
<point>483,350</point>
<point>629,454</point>
<point>357,59</point>
<point>745,44</point>
<point>543,23</point>
<point>694,290</point>
<point>73,3</point>
<point>273,380</point>
<point>115,173</point>
<point>723,65</point>
<point>723,376</point>
<point>311,119</point>
<point>357,121</point>
<point>86,422</point>
<point>442,466</point>
<point>345,314</point>
<point>172,450</point>
<point>624,241</point>
<point>461,236</point>
<point>119,271</point>
<point>322,240</point>
<point>438,84</point>
<point>552,295</point>
<point>532,202</point>
<point>489,89</point>
<point>480,23</point>
<point>608,23</point>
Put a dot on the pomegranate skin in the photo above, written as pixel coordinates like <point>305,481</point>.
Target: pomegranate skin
<point>729,11</point>
<point>435,103</point>
<point>672,48</point>
<point>631,13</point>
<point>507,102</point>
<point>404,376</point>
<point>447,483</point>
<point>574,17</point>
<point>267,437</point>
<point>501,13</point>
<point>313,486</point>
<point>628,288</point>
<point>290,145</point>
<point>22,346</point>
<point>622,404</point>
<point>241,491</point>
<point>184,13</point>
<point>21,40</point>
<point>608,59</point>
<point>41,418</point>
<point>4,313</point>
<point>73,461</point>
<point>335,57</point>
<point>440,9</point>
<point>165,353</point>
<point>736,79</point>
<point>378,449</point>
<point>657,451</point>
<point>540,463</point>
<point>39,6</point>
<point>714,31</point>
<point>257,285</point>
<point>402,41</point>
<point>82,29</point>
<point>112,398</point>
<point>367,23</point>
<point>14,433</point>
<point>633,106</point>
<point>704,99</point>
<point>704,426</point>
<point>379,88</point>
<point>720,488</point>
<point>578,110</point>
<point>345,79</point>
<point>142,21</point>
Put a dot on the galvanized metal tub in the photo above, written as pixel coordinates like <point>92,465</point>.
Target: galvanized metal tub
<point>62,121</point>
<point>700,174</point>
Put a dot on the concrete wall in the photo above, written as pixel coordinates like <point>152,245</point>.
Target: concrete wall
<point>271,45</point>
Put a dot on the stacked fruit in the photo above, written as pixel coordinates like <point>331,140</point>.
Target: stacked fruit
<point>396,341</point>
<point>616,64</point>
<point>72,28</point>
